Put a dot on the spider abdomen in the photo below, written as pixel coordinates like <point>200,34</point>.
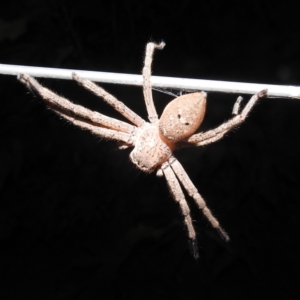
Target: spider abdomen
<point>183,116</point>
<point>149,151</point>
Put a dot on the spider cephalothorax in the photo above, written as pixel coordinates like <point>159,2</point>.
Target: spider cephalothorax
<point>154,141</point>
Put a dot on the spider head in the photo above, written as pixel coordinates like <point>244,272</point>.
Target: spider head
<point>150,150</point>
<point>182,116</point>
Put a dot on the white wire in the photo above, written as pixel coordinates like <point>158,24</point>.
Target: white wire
<point>157,81</point>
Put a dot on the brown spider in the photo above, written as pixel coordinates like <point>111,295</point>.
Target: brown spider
<point>153,143</point>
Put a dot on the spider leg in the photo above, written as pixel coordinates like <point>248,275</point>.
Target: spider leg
<point>193,192</point>
<point>178,195</point>
<point>213,135</point>
<point>110,134</point>
<point>110,99</point>
<point>147,86</point>
<point>236,106</point>
<point>210,140</point>
<point>203,142</point>
<point>80,116</point>
<point>72,109</point>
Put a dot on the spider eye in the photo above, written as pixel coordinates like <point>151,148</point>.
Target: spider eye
<point>182,117</point>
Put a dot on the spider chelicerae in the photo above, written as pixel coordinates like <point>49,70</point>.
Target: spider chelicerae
<point>153,142</point>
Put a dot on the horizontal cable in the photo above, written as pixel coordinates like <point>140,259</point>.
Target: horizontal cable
<point>183,84</point>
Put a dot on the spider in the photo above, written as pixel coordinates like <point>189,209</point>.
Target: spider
<point>153,142</point>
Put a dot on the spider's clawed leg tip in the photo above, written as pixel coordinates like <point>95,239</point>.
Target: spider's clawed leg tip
<point>22,77</point>
<point>226,237</point>
<point>263,93</point>
<point>194,248</point>
<point>19,76</point>
<point>74,75</point>
<point>223,234</point>
<point>162,44</point>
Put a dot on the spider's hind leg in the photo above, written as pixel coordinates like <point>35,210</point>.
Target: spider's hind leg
<point>178,196</point>
<point>193,192</point>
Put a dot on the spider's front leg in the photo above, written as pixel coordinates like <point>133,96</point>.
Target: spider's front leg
<point>210,136</point>
<point>147,86</point>
<point>99,124</point>
<point>110,99</point>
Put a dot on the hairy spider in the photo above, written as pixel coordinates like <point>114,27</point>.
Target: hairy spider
<point>153,143</point>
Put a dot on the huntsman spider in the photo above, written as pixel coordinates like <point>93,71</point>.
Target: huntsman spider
<point>153,142</point>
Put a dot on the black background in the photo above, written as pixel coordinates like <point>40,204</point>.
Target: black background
<point>79,221</point>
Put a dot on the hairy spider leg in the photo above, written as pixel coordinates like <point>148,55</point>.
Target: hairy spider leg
<point>213,135</point>
<point>111,100</point>
<point>178,196</point>
<point>112,128</point>
<point>147,86</point>
<point>193,192</point>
